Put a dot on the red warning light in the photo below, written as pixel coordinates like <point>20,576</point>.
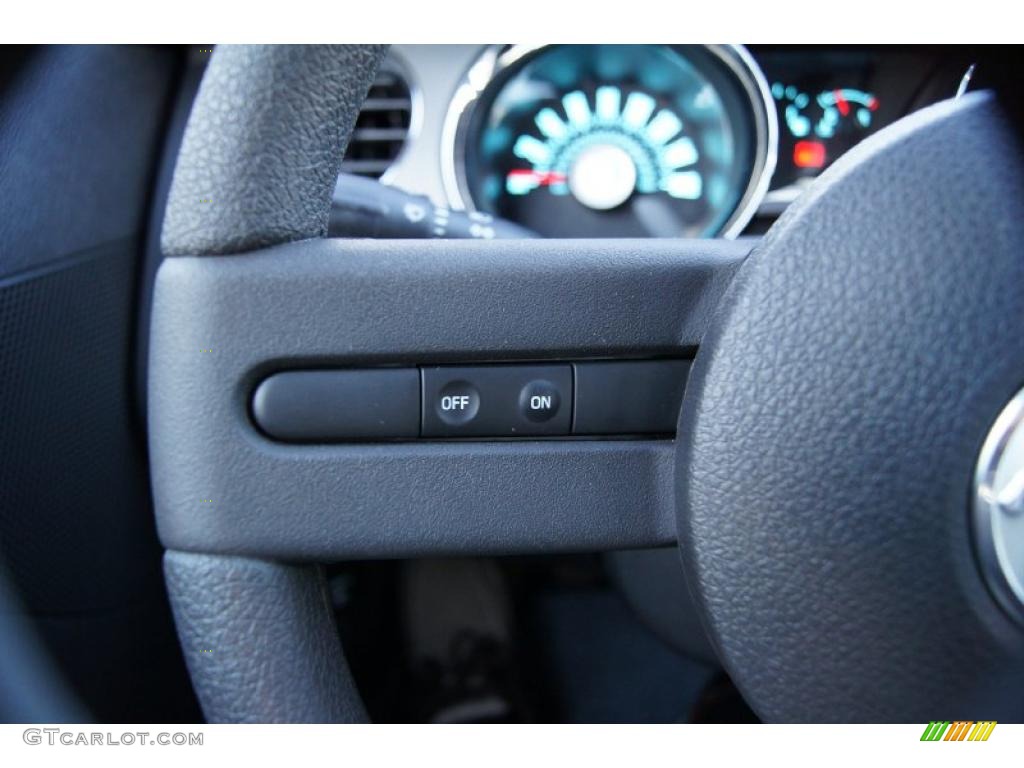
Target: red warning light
<point>809,154</point>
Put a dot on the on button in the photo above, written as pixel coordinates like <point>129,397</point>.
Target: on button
<point>539,401</point>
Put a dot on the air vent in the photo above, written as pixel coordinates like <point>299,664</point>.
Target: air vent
<point>382,127</point>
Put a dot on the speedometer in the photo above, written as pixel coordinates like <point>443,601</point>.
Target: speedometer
<point>613,140</point>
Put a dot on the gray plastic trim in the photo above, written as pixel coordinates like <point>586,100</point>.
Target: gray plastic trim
<point>220,325</point>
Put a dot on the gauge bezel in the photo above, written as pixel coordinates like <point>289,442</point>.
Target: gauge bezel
<point>497,59</point>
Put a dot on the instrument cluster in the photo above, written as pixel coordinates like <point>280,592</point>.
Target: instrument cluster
<point>657,140</point>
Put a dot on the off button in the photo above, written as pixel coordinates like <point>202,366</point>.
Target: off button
<point>458,403</point>
<point>539,401</point>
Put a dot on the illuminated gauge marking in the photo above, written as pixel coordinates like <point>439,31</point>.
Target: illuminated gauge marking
<point>680,153</point>
<point>637,111</point>
<point>577,110</point>
<point>686,185</point>
<point>608,98</point>
<point>602,156</point>
<point>663,127</point>
<point>796,101</point>
<point>843,103</point>
<point>550,124</point>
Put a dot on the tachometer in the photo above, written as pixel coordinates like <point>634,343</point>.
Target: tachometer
<point>610,140</point>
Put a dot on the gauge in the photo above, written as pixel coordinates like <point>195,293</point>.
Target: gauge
<point>844,109</point>
<point>613,140</point>
<point>822,126</point>
<point>796,102</point>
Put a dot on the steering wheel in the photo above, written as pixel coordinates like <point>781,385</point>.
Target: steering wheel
<point>847,369</point>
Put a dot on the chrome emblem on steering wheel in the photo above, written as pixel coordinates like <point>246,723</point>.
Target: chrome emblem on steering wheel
<point>999,507</point>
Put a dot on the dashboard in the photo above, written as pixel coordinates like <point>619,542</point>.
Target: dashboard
<point>633,140</point>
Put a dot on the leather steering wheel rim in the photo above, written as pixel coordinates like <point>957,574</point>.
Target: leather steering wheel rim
<point>265,139</point>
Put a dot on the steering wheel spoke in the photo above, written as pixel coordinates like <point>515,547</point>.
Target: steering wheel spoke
<point>221,325</point>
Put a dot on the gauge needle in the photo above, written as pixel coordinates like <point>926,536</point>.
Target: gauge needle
<point>540,178</point>
<point>842,104</point>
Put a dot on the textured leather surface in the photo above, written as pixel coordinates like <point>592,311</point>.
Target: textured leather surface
<point>264,144</point>
<point>260,641</point>
<point>326,303</point>
<point>834,417</point>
